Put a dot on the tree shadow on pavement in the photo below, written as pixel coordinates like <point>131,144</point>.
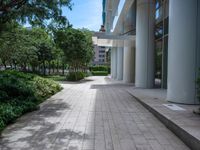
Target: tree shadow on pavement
<point>40,129</point>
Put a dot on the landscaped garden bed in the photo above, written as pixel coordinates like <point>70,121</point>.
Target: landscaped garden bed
<point>21,93</point>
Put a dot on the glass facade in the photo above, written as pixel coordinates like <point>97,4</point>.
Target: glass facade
<point>161,41</point>
<point>104,12</point>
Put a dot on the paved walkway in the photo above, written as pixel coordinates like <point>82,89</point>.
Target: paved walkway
<point>93,115</point>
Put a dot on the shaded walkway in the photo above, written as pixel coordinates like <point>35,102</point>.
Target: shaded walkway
<point>91,115</point>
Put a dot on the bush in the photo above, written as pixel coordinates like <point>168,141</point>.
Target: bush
<point>99,68</point>
<point>21,93</point>
<point>56,77</point>
<point>75,76</point>
<point>109,70</point>
<point>99,73</point>
<point>44,88</point>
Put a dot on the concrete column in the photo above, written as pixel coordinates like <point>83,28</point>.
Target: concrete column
<point>183,52</point>
<point>145,21</point>
<point>111,61</point>
<point>129,46</point>
<point>114,63</point>
<point>129,62</point>
<point>120,63</point>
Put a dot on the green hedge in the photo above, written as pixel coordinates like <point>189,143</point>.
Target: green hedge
<point>99,68</point>
<point>75,76</point>
<point>21,93</point>
<point>56,77</point>
<point>99,73</point>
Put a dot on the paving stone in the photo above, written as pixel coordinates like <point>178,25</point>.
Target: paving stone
<point>139,140</point>
<point>127,144</point>
<point>149,136</point>
<point>155,145</point>
<point>143,147</point>
<point>88,145</point>
<point>95,115</point>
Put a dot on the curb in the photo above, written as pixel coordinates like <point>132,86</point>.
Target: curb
<point>191,141</point>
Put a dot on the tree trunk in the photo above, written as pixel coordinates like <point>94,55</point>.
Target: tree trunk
<point>40,68</point>
<point>53,66</point>
<point>33,68</point>
<point>28,68</point>
<point>11,65</point>
<point>44,69</point>
<point>4,65</point>
<point>63,69</point>
<point>15,66</point>
<point>24,67</point>
<point>57,67</point>
<point>49,67</point>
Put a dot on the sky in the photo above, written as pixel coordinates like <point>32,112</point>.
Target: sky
<point>85,14</point>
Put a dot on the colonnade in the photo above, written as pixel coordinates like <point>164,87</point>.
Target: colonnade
<point>135,63</point>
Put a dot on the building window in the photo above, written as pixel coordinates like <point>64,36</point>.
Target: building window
<point>101,56</point>
<point>102,51</point>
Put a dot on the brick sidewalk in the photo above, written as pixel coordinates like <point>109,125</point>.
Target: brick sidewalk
<point>92,115</point>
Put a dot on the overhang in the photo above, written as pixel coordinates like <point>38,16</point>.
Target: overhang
<point>110,40</point>
<point>120,19</point>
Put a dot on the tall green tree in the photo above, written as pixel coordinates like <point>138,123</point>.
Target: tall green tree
<point>26,47</point>
<point>45,54</point>
<point>36,12</point>
<point>89,45</point>
<point>76,47</point>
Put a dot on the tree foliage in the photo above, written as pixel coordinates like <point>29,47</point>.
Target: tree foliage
<point>38,50</point>
<point>89,45</point>
<point>77,47</point>
<point>36,12</point>
<point>27,47</point>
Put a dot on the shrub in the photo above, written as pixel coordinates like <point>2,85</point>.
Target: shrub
<point>99,68</point>
<point>12,88</point>
<point>75,76</point>
<point>56,77</point>
<point>44,88</point>
<point>109,70</point>
<point>2,125</point>
<point>99,73</point>
<point>21,93</point>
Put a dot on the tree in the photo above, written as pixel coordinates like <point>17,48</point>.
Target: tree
<point>26,47</point>
<point>5,54</point>
<point>36,12</point>
<point>58,59</point>
<point>8,41</point>
<point>76,46</point>
<point>89,45</point>
<point>45,54</point>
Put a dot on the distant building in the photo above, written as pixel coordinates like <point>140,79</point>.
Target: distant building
<point>100,55</point>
